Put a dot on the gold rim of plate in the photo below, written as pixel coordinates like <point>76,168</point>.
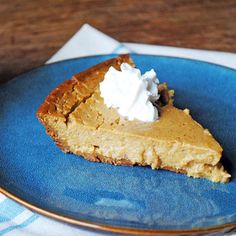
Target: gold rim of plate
<point>116,229</point>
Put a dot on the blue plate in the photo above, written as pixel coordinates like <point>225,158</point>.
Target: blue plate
<point>36,173</point>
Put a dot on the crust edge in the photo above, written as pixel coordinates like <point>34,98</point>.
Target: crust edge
<point>49,104</point>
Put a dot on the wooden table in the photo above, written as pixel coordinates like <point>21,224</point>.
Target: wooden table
<point>32,31</point>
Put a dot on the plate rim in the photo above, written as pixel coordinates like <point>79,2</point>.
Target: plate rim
<point>106,227</point>
<point>115,229</point>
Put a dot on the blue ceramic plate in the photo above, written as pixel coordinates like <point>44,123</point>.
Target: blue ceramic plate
<point>36,173</point>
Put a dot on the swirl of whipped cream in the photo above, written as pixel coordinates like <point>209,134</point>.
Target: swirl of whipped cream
<point>131,93</point>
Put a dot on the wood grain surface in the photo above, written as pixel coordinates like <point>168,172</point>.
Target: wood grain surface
<point>31,31</point>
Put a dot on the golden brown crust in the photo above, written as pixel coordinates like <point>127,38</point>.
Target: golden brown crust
<point>49,105</point>
<point>52,101</point>
<point>62,145</point>
<point>95,157</point>
<point>174,169</point>
<point>115,62</point>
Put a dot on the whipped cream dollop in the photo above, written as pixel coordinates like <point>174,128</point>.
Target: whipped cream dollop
<point>131,93</point>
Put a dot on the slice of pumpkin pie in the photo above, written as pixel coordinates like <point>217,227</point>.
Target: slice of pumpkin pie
<point>88,117</point>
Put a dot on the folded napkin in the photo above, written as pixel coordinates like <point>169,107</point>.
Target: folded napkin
<point>16,219</point>
<point>88,41</point>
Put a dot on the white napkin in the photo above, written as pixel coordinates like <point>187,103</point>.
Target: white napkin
<point>88,41</point>
<point>16,219</point>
